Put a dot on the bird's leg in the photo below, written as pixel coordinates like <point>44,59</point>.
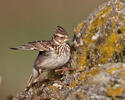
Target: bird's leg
<point>30,80</point>
<point>63,70</point>
<point>40,71</point>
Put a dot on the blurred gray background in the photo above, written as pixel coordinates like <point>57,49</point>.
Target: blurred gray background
<point>22,21</point>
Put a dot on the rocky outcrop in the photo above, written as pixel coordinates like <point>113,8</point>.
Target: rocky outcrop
<point>98,61</point>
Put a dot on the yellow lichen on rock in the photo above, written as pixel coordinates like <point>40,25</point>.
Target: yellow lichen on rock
<point>78,28</point>
<point>101,42</point>
<point>111,45</point>
<point>74,84</point>
<point>115,92</point>
<point>99,19</point>
<point>82,59</point>
<point>90,73</point>
<point>113,70</point>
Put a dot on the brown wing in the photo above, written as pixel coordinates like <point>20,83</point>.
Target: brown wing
<point>37,45</point>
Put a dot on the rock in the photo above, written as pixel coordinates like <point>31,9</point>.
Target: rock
<point>98,60</point>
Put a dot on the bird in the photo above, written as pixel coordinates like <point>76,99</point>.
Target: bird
<point>52,53</point>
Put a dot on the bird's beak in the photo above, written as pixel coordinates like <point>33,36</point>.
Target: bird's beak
<point>68,38</point>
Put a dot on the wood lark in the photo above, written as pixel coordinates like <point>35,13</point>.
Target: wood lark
<point>52,54</point>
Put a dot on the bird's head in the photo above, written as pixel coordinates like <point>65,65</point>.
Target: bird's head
<point>60,36</point>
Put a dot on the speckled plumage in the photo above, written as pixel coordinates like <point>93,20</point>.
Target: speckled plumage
<point>52,53</point>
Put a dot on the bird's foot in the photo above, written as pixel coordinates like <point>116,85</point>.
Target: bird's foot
<point>42,77</point>
<point>63,70</point>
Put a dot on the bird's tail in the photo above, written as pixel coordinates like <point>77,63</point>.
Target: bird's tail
<point>20,48</point>
<point>36,45</point>
<point>28,46</point>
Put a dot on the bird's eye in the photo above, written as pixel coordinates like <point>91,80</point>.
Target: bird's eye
<point>62,37</point>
